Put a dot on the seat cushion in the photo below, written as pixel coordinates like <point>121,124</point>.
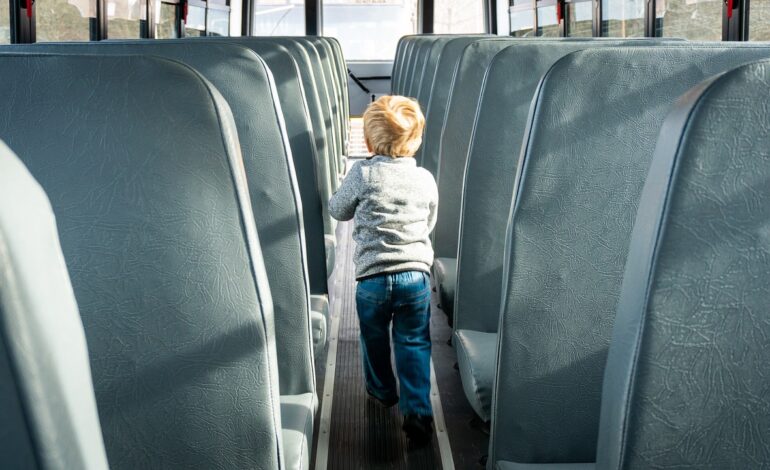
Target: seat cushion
<point>502,465</point>
<point>297,425</point>
<point>318,323</point>
<point>445,271</point>
<point>331,245</point>
<point>476,351</point>
<point>320,303</point>
<point>49,417</point>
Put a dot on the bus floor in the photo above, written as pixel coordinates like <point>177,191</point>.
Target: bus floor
<point>352,432</point>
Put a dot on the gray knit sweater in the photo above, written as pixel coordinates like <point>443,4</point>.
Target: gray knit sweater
<point>394,204</point>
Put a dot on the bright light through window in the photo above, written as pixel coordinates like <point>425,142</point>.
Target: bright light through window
<point>369,29</point>
<point>458,16</point>
<point>279,17</point>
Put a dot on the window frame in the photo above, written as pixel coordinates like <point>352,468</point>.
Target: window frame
<point>178,16</point>
<point>564,13</point>
<point>735,26</point>
<point>731,29</point>
<point>23,26</point>
<point>526,8</point>
<point>538,4</point>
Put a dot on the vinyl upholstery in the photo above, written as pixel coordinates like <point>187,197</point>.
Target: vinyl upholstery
<point>49,418</point>
<point>399,62</point>
<point>453,150</point>
<point>689,353</point>
<point>307,164</point>
<point>509,85</point>
<point>567,244</point>
<point>311,86</point>
<point>334,88</point>
<point>162,251</point>
<point>439,98</point>
<point>271,181</point>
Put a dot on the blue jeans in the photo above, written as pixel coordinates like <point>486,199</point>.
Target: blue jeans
<point>405,298</point>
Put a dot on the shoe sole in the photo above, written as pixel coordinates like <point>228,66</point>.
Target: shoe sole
<point>380,403</point>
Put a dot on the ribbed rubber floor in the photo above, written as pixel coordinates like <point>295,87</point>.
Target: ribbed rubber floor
<point>363,435</point>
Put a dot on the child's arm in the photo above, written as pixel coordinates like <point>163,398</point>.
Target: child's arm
<point>342,205</point>
<point>433,206</point>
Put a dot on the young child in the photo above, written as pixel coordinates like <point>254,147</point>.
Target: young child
<point>393,203</point>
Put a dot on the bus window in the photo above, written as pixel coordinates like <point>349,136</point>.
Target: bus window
<point>5,22</point>
<point>166,25</point>
<point>623,18</point>
<point>547,22</point>
<point>218,20</point>
<point>689,19</point>
<point>124,18</point>
<point>64,20</point>
<point>369,31</point>
<point>759,20</point>
<point>522,21</point>
<point>196,19</point>
<point>579,18</point>
<point>279,17</point>
<point>458,17</point>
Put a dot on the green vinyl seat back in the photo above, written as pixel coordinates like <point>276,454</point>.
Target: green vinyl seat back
<point>419,52</point>
<point>686,379</point>
<point>397,58</point>
<point>332,84</point>
<point>494,149</point>
<point>313,79</point>
<point>428,75</point>
<point>439,98</point>
<point>585,157</point>
<point>321,71</point>
<point>163,255</point>
<point>399,62</point>
<point>423,51</point>
<point>49,417</point>
<point>429,70</point>
<point>453,149</point>
<point>406,63</point>
<point>270,177</point>
<point>307,164</point>
<point>342,76</point>
<point>312,88</point>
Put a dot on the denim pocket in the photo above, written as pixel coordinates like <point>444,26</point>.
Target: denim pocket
<point>417,290</point>
<point>372,290</point>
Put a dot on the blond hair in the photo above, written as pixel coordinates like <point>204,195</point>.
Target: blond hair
<point>393,126</point>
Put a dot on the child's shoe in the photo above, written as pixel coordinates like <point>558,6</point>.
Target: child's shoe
<point>419,429</point>
<point>385,403</point>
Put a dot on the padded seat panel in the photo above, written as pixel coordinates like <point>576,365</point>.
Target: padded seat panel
<point>439,98</point>
<point>327,70</point>
<point>297,421</point>
<point>47,406</point>
<point>686,384</point>
<point>311,88</point>
<point>445,272</point>
<point>502,465</point>
<point>319,329</point>
<point>319,305</point>
<point>488,188</point>
<point>304,158</point>
<point>162,252</point>
<point>272,185</point>
<point>572,222</point>
<point>456,139</point>
<point>476,351</point>
<point>331,249</point>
